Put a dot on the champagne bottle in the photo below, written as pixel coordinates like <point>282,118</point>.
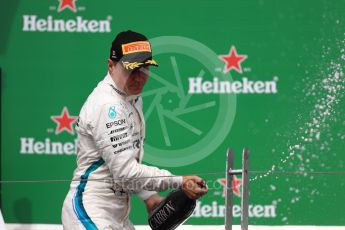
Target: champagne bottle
<point>172,211</point>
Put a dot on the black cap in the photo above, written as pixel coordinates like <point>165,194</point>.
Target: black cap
<point>132,50</point>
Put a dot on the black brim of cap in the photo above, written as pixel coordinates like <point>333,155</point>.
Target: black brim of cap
<point>136,60</point>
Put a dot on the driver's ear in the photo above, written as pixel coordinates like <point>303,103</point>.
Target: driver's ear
<point>111,65</point>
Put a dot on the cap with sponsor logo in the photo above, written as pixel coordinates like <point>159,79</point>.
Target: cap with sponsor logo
<point>132,50</point>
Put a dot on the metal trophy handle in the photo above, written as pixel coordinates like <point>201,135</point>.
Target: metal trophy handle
<point>245,189</point>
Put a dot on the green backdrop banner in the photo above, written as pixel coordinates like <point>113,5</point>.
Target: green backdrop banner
<point>261,74</point>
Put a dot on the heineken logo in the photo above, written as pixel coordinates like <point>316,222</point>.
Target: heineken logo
<point>63,124</point>
<point>193,94</point>
<point>216,210</point>
<point>224,83</point>
<point>29,145</point>
<point>75,24</point>
<point>236,183</point>
<point>67,4</point>
<point>232,60</point>
<point>198,85</point>
<point>31,23</point>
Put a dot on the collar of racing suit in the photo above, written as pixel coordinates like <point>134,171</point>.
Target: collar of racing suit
<point>130,98</point>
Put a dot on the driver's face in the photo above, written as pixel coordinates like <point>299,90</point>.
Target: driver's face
<point>132,82</point>
<point>136,80</point>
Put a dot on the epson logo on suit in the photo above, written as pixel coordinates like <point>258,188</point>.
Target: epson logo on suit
<point>115,123</point>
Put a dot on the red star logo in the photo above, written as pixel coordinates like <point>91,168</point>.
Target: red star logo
<point>235,185</point>
<point>67,4</point>
<point>232,60</point>
<point>64,122</point>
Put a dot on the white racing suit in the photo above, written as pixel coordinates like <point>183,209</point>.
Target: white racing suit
<point>111,133</point>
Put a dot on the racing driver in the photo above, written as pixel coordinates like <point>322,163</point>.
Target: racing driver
<point>111,134</point>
